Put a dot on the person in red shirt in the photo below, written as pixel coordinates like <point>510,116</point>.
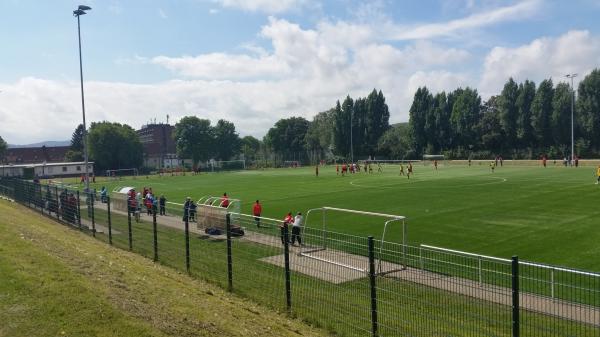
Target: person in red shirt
<point>344,169</point>
<point>225,201</point>
<point>288,220</point>
<point>256,211</point>
<point>544,161</point>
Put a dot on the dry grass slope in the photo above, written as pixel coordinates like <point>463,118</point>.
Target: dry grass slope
<point>57,282</point>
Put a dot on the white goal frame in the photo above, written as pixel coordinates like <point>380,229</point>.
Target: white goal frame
<point>116,171</point>
<point>390,218</point>
<point>219,164</point>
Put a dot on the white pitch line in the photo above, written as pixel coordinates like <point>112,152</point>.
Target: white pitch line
<point>417,181</point>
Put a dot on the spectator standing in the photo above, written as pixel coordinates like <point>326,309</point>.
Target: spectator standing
<point>162,203</point>
<point>257,211</point>
<point>296,229</point>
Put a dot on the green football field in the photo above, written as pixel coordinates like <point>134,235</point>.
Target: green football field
<point>547,215</point>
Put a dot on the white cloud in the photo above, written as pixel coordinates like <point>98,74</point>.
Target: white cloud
<point>267,6</point>
<point>162,13</point>
<point>518,11</point>
<point>304,72</point>
<point>223,66</point>
<point>116,8</point>
<point>572,52</point>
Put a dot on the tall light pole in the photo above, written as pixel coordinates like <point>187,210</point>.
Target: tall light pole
<point>572,76</point>
<point>351,145</point>
<point>77,13</point>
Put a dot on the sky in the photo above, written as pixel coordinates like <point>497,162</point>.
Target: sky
<point>254,62</point>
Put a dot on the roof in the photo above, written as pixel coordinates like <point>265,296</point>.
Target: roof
<point>48,164</point>
<point>29,155</point>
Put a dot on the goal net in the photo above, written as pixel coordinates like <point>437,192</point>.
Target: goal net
<point>431,158</point>
<point>120,173</point>
<point>291,163</point>
<point>349,251</point>
<point>226,165</point>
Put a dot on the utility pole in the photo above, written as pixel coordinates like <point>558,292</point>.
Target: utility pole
<point>572,76</point>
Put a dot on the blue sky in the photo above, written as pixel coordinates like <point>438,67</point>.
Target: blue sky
<point>255,61</point>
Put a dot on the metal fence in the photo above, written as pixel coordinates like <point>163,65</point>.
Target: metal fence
<point>347,284</point>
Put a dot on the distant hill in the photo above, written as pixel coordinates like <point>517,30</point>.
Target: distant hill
<point>49,143</point>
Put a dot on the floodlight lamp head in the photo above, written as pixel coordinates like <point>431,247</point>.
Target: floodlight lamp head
<point>84,8</point>
<point>78,12</point>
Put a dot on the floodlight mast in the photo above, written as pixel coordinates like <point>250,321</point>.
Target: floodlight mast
<point>77,13</point>
<point>572,76</point>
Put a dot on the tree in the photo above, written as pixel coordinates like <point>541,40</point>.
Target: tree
<point>441,131</point>
<point>194,138</point>
<point>227,141</point>
<point>588,107</point>
<point>524,102</point>
<point>396,142</point>
<point>75,153</point>
<point>341,129</point>
<point>418,118</point>
<point>541,110</point>
<point>250,147</point>
<point>376,120</point>
<point>465,116</point>
<point>509,111</point>
<point>490,127</point>
<point>114,146</point>
<point>287,137</point>
<point>319,136</point>
<point>3,147</point>
<point>560,120</point>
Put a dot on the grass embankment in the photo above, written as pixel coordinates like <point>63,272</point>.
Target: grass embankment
<point>57,282</point>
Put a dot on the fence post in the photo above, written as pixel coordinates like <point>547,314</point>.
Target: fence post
<point>515,297</point>
<point>57,203</point>
<point>129,228</point>
<point>421,258</point>
<point>187,243</point>
<point>91,204</point>
<point>373,284</point>
<point>78,211</point>
<point>109,220</point>
<point>155,233</point>
<point>286,255</point>
<point>552,283</point>
<point>229,255</point>
<point>480,270</point>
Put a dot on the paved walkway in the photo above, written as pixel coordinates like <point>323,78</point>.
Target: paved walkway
<point>338,267</point>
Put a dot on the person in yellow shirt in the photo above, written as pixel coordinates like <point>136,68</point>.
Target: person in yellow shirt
<point>598,174</point>
<point>493,166</point>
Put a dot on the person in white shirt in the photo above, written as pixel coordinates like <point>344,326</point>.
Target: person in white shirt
<point>296,229</point>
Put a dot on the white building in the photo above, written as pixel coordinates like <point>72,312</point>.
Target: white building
<point>46,170</point>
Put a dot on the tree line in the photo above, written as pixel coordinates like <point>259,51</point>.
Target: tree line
<point>522,122</point>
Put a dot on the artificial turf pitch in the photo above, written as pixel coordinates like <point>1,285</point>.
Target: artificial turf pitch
<point>547,215</point>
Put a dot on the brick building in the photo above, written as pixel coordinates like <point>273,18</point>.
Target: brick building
<point>31,155</point>
<point>159,146</point>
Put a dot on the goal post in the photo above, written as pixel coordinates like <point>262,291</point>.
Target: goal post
<point>433,157</point>
<point>291,163</point>
<point>321,241</point>
<point>226,165</point>
<point>119,173</point>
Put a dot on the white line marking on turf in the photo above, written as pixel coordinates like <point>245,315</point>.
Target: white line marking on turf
<point>421,181</point>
